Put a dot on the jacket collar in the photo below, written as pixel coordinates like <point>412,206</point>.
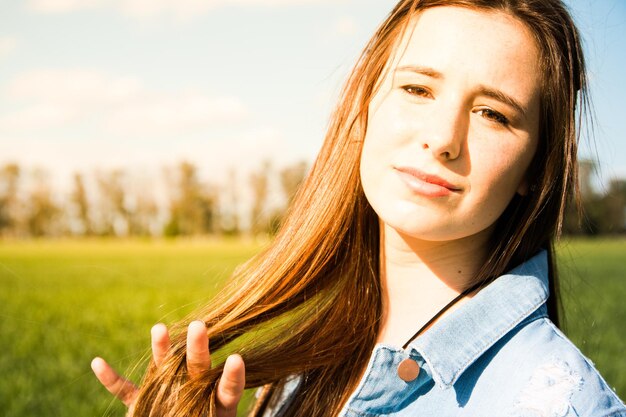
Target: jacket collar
<point>453,343</point>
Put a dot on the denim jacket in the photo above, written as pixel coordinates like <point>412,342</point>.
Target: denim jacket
<point>496,355</point>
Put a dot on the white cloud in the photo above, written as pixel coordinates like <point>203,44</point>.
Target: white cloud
<point>73,87</point>
<point>179,9</point>
<point>39,116</point>
<point>149,9</point>
<point>179,114</point>
<point>118,104</point>
<point>62,6</point>
<point>7,46</point>
<point>247,150</point>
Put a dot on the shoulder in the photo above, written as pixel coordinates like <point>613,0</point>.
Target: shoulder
<point>548,375</point>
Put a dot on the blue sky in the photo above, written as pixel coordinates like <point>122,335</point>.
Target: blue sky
<point>138,84</point>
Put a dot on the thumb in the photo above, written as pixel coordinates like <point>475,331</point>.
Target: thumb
<point>117,385</point>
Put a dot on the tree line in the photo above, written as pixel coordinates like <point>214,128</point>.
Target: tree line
<point>114,203</point>
<point>601,212</point>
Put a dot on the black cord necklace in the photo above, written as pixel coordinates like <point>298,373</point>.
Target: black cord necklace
<point>440,312</point>
<point>408,369</point>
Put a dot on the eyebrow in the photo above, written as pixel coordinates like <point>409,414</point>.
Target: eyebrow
<point>482,89</point>
<point>430,72</point>
<point>502,97</point>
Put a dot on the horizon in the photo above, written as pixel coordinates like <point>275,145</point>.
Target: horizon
<point>96,85</point>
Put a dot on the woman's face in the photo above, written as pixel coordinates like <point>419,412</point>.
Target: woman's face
<point>453,127</point>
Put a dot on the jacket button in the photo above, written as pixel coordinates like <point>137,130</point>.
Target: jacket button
<point>408,370</point>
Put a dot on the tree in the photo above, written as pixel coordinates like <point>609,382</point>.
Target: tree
<point>230,224</point>
<point>78,198</point>
<point>614,202</point>
<point>586,172</point>
<point>259,182</point>
<point>143,214</point>
<point>193,205</point>
<point>114,215</point>
<point>42,212</point>
<point>601,213</point>
<point>291,178</point>
<point>9,186</point>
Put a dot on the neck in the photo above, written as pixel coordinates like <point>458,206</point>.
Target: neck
<point>421,277</point>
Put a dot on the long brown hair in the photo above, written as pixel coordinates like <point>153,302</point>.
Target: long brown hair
<point>310,303</point>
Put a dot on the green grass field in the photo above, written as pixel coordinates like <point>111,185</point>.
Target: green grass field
<point>64,302</point>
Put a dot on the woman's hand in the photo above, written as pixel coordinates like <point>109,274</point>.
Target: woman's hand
<point>229,388</point>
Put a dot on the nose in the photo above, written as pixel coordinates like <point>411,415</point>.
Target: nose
<point>445,131</point>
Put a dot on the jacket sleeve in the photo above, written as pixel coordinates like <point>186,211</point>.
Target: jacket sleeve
<point>283,399</point>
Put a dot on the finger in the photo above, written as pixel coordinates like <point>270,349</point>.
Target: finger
<point>231,385</point>
<point>160,343</point>
<point>198,358</point>
<point>122,388</point>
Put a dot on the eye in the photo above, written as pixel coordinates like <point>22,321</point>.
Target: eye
<point>493,116</point>
<point>416,90</point>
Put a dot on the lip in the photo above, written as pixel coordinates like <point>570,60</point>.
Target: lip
<point>425,184</point>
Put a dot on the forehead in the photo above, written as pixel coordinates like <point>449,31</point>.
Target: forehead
<point>488,47</point>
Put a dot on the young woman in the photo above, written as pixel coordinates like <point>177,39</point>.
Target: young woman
<point>414,274</point>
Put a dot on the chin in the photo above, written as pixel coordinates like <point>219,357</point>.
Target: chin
<point>424,226</point>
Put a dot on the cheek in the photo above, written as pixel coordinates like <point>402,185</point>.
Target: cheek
<point>499,171</point>
<point>390,128</point>
<point>374,147</point>
<point>384,144</point>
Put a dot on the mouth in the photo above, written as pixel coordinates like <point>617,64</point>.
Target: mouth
<point>426,184</point>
